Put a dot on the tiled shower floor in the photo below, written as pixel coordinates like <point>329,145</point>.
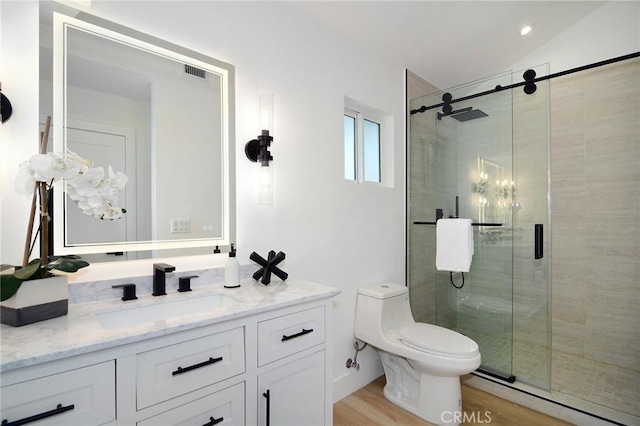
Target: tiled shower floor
<point>597,382</point>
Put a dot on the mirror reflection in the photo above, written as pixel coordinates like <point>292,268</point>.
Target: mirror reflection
<point>160,116</point>
<point>496,194</point>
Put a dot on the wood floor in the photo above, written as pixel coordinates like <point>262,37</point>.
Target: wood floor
<point>368,406</point>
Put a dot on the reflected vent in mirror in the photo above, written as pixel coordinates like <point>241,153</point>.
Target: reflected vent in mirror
<point>195,71</point>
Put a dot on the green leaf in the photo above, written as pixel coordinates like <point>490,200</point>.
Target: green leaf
<point>4,267</point>
<point>9,285</point>
<point>67,265</point>
<point>29,271</point>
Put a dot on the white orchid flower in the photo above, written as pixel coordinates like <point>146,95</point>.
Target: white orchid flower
<point>86,183</point>
<point>25,182</point>
<point>87,186</point>
<point>82,163</point>
<point>107,212</point>
<point>51,166</point>
<point>118,180</point>
<point>113,213</point>
<point>114,183</point>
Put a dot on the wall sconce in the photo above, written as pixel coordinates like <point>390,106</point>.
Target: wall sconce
<point>5,106</point>
<point>257,150</point>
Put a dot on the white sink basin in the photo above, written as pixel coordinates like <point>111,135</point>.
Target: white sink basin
<point>166,310</point>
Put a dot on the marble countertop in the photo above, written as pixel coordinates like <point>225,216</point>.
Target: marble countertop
<point>82,330</point>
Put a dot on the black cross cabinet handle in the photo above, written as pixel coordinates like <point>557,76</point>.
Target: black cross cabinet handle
<point>210,361</point>
<point>293,336</point>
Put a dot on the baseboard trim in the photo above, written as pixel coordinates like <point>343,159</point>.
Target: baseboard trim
<point>354,380</point>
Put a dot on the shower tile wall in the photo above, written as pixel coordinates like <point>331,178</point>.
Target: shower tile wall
<point>595,204</point>
<point>421,192</point>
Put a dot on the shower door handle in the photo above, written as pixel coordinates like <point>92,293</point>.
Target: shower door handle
<point>538,249</point>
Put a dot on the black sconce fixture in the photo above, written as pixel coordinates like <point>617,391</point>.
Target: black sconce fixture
<point>257,150</point>
<point>5,106</point>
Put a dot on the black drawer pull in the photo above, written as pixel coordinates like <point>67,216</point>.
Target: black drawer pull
<point>267,395</point>
<point>181,370</point>
<point>58,410</point>
<point>213,421</point>
<point>293,336</point>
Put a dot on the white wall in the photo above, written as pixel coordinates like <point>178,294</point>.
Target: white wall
<point>19,137</point>
<point>334,232</point>
<point>610,31</point>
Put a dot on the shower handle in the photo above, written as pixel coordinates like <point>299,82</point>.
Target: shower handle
<point>538,248</point>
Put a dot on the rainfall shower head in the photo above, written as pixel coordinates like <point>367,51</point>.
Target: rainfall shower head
<point>464,114</point>
<point>469,115</point>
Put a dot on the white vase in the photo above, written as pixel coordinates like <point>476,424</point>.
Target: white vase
<point>36,300</point>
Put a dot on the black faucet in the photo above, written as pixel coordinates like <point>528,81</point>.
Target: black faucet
<point>159,278</point>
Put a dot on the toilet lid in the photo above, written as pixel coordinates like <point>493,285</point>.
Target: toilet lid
<point>432,338</point>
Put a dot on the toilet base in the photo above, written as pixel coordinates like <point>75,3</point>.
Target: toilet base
<point>436,399</point>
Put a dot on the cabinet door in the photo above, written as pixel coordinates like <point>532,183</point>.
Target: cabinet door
<point>293,394</point>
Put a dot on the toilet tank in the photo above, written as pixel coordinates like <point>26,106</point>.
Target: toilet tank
<point>381,308</point>
<point>383,290</point>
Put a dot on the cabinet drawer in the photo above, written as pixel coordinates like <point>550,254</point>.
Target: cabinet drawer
<point>288,334</point>
<point>86,396</point>
<point>174,370</point>
<point>225,407</point>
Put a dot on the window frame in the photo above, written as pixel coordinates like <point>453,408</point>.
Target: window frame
<point>360,116</point>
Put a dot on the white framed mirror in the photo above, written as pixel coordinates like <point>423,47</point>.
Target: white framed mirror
<point>160,113</point>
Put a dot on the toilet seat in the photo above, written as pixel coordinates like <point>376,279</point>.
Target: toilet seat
<point>438,341</point>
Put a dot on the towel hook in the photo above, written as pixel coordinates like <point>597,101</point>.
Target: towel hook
<point>454,284</point>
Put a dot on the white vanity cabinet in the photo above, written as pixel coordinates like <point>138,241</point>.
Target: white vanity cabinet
<point>219,370</point>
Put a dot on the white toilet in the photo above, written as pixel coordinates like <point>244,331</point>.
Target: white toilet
<point>422,362</point>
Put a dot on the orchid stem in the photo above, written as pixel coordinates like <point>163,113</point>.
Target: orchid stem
<point>27,242</point>
<point>40,188</point>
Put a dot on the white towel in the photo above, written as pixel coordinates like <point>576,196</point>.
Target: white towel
<point>454,245</point>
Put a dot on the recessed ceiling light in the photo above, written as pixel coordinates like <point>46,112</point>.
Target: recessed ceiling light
<point>526,30</point>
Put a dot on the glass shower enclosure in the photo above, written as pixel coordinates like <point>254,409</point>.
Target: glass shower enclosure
<point>486,159</point>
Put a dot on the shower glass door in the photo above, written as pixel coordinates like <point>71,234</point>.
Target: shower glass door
<point>467,164</point>
<point>474,169</point>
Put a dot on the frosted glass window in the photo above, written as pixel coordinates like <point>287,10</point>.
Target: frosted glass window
<point>371,151</point>
<point>368,145</point>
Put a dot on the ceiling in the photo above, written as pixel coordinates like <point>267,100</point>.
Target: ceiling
<point>449,42</point>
